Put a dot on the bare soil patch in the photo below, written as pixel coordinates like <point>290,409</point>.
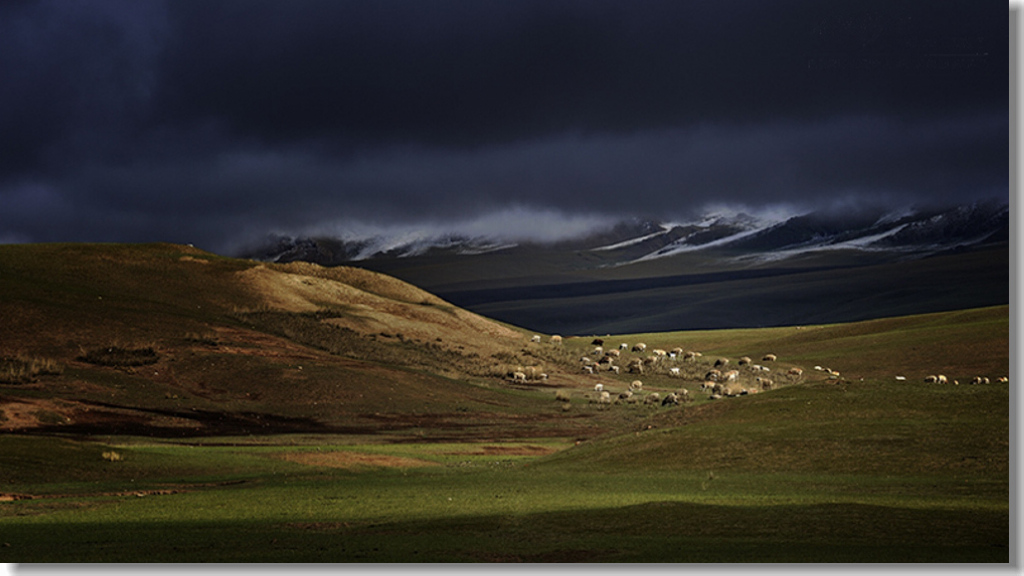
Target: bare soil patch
<point>317,526</point>
<point>506,451</point>
<point>345,459</point>
<point>27,413</point>
<point>252,343</point>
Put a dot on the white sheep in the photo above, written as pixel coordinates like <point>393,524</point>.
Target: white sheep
<point>519,376</point>
<point>636,385</point>
<point>598,387</point>
<point>673,372</point>
<point>536,338</point>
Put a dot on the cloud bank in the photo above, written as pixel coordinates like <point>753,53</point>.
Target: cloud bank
<point>219,122</point>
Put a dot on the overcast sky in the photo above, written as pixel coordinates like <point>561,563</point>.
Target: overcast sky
<point>218,122</point>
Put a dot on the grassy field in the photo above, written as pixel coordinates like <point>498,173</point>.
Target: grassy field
<point>257,500</point>
<point>297,414</point>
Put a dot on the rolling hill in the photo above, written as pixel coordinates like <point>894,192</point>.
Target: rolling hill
<point>169,340</point>
<point>235,410</point>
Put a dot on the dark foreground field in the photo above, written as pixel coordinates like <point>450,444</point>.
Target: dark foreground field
<point>266,425</point>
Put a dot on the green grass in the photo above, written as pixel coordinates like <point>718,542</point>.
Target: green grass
<point>849,472</point>
<point>241,504</point>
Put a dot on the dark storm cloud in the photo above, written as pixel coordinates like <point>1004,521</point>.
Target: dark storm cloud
<point>214,121</point>
<point>470,73</point>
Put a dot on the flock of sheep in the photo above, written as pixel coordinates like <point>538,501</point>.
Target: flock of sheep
<point>717,380</point>
<point>942,379</point>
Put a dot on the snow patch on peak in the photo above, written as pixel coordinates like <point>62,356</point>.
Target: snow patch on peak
<point>894,216</point>
<point>680,246</point>
<point>634,241</point>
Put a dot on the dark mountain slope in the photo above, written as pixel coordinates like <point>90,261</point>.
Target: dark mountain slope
<point>755,298</point>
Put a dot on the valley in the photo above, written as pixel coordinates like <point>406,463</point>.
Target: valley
<point>234,410</point>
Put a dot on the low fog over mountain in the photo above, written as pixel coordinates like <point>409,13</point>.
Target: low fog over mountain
<point>737,236</point>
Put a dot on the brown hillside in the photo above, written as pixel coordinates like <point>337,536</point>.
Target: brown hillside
<point>170,340</point>
<point>373,303</point>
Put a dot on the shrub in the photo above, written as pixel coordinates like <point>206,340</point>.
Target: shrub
<point>24,369</point>
<point>208,339</point>
<point>50,417</point>
<point>118,356</point>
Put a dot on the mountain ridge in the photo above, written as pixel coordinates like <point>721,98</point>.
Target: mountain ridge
<point>744,237</point>
<point>725,270</point>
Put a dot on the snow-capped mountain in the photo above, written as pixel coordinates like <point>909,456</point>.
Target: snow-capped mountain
<point>739,237</point>
<point>334,251</point>
<point>904,233</point>
<point>919,233</point>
